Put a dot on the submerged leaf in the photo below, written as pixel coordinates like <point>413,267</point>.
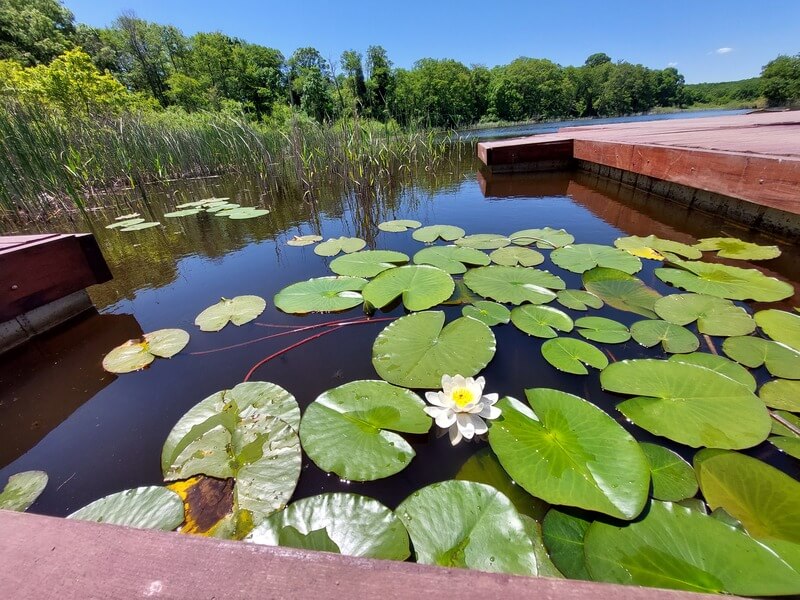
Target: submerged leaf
<point>580,258</point>
<point>621,291</point>
<point>399,225</point>
<point>673,338</point>
<point>144,507</point>
<point>321,294</point>
<point>571,355</point>
<point>451,259</point>
<point>514,285</point>
<point>420,286</point>
<point>333,246</point>
<point>367,263</point>
<point>238,310</point>
<point>22,490</point>
<point>728,247</point>
<point>431,233</point>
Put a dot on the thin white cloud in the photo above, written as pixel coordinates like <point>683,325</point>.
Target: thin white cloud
<point>672,64</point>
<point>724,50</point>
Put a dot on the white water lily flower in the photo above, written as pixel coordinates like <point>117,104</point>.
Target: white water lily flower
<point>461,407</point>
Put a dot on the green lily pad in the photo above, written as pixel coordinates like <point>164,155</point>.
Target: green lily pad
<point>600,329</point>
<point>238,310</point>
<point>714,316</point>
<point>22,490</point>
<point>126,217</point>
<point>514,284</point>
<point>720,364</point>
<point>563,535</point>
<point>578,300</point>
<point>316,539</point>
<point>399,225</point>
<point>416,350</point>
<point>367,263</point>
<point>540,321</point>
<point>333,246</point>
<point>781,326</point>
<point>673,338</point>
<point>762,498</point>
<point>182,213</point>
<point>580,258</point>
<point>431,233</point>
<point>673,478</point>
<point>125,223</point>
<point>321,294</point>
<point>567,451</point>
<point>546,237</point>
<point>688,403</point>
<point>679,548</point>
<point>781,393</point>
<point>728,247</point>
<point>789,445</point>
<point>246,212</point>
<point>140,226</point>
<point>544,563</point>
<point>349,430</point>
<point>634,242</point>
<point>488,312</point>
<point>516,256</point>
<point>778,427</point>
<point>483,241</point>
<point>420,286</point>
<point>724,281</point>
<point>357,525</point>
<point>465,524</point>
<point>144,507</point>
<point>621,291</point>
<point>134,355</point>
<point>781,361</point>
<point>193,204</point>
<point>216,207</point>
<point>572,356</point>
<point>304,240</point>
<point>451,259</point>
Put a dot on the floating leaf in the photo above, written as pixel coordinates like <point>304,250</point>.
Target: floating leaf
<point>568,451</point>
<point>137,354</point>
<point>789,445</point>
<point>144,507</point>
<point>545,566</point>
<point>182,213</point>
<point>600,329</point>
<point>516,256</point>
<point>714,316</point>
<point>126,217</point>
<point>781,326</point>
<point>398,225</point>
<point>763,498</point>
<point>348,430</point>
<point>633,243</point>
<point>140,226</point>
<point>514,284</point>
<point>578,300</point>
<point>215,207</point>
<point>540,321</point>
<point>304,240</point>
<point>431,233</point>
<point>466,524</point>
<point>673,338</point>
<point>238,310</point>
<point>778,427</point>
<point>451,259</point>
<point>194,204</point>
<point>728,247</point>
<point>207,504</point>
<point>322,294</point>
<point>247,212</point>
<point>483,241</point>
<point>488,312</point>
<point>688,403</point>
<point>22,490</point>
<point>419,286</point>
<point>367,263</point>
<point>679,548</point>
<point>125,223</point>
<point>720,364</point>
<point>621,291</point>
<point>563,535</point>
<point>333,246</point>
<point>416,350</point>
<point>580,258</point>
<point>724,281</point>
<point>781,393</point>
<point>780,360</point>
<point>546,237</point>
<point>673,478</point>
<point>570,355</point>
<point>357,526</point>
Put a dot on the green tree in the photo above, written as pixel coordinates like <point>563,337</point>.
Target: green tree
<point>380,82</point>
<point>354,77</point>
<point>531,88</point>
<point>781,80</point>
<point>438,92</point>
<point>34,31</point>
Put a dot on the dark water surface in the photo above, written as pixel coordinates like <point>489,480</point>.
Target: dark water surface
<point>95,433</point>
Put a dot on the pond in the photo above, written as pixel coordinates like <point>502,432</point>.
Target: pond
<point>96,433</point>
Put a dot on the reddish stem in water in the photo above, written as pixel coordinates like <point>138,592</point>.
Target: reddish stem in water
<point>348,320</point>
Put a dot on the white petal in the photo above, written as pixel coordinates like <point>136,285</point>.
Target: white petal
<point>480,425</point>
<point>465,425</point>
<point>490,398</point>
<point>490,412</point>
<point>447,401</point>
<point>434,411</point>
<point>480,382</point>
<point>445,419</point>
<point>455,435</point>
<point>433,398</point>
<point>473,407</point>
<point>459,381</point>
<point>447,384</point>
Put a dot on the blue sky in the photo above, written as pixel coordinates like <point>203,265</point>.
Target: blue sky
<point>707,40</point>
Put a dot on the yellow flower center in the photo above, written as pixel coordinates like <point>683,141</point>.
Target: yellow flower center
<point>462,397</point>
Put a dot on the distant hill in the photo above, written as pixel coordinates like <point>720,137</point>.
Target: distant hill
<point>724,93</point>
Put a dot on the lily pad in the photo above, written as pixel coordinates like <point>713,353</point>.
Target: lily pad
<point>567,451</point>
<point>303,240</point>
<point>451,259</point>
<point>781,326</point>
<point>416,350</point>
<point>600,329</point>
<point>578,300</point>
<point>688,403</point>
<point>140,226</point>
<point>431,233</point>
<point>144,507</point>
<point>728,247</point>
<point>540,321</point>
<point>419,286</point>
<point>720,364</point>
<point>714,316</point>
<point>673,478</point>
<point>238,310</point>
<point>514,284</point>
<point>399,225</point>
<point>216,207</point>
<point>246,212</point>
<point>22,490</point>
<point>679,548</point>
<point>125,223</point>
<point>357,525</point>
<point>134,355</point>
<point>580,258</point>
<point>488,312</point>
<point>545,566</point>
<point>724,281</point>
<point>333,246</point>
<point>207,503</point>
<point>483,241</point>
<point>781,361</point>
<point>182,213</point>
<point>779,427</point>
<point>673,338</point>
<point>634,243</point>
<point>563,535</point>
<point>322,294</point>
<point>762,498</point>
<point>465,524</point>
<point>126,217</point>
<point>572,356</point>
<point>367,263</point>
<point>516,256</point>
<point>621,291</point>
<point>545,237</point>
<point>789,445</point>
<point>349,430</point>
<point>781,393</point>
